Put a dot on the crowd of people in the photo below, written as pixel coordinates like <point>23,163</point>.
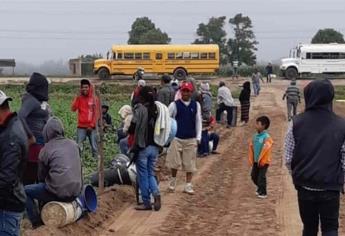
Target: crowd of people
<point>39,164</point>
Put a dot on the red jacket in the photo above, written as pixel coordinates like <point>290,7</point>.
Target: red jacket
<point>88,108</point>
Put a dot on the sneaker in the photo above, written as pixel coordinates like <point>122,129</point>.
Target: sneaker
<point>215,152</point>
<point>189,189</point>
<point>172,184</point>
<point>257,193</point>
<point>262,196</point>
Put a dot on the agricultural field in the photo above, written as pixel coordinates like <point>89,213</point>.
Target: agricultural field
<point>60,99</point>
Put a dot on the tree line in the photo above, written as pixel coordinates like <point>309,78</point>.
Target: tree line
<point>241,47</point>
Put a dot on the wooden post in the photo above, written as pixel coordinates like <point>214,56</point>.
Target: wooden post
<point>99,129</point>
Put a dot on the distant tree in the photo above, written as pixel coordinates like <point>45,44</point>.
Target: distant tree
<point>328,36</point>
<point>91,57</point>
<point>144,31</point>
<point>243,46</point>
<point>213,32</point>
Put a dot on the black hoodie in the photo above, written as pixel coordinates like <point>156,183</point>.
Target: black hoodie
<point>245,93</point>
<point>319,135</point>
<point>38,87</point>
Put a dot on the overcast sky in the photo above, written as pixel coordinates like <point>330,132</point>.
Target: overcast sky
<point>36,31</point>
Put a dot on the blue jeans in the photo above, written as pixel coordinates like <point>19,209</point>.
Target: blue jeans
<point>207,137</point>
<point>10,223</point>
<point>123,144</point>
<point>40,193</point>
<point>256,88</point>
<point>145,168</point>
<point>81,136</point>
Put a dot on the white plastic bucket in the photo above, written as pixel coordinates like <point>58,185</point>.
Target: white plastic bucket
<point>59,214</point>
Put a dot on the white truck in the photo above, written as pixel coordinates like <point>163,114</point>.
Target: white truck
<point>309,59</point>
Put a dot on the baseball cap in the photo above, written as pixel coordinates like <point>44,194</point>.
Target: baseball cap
<point>187,86</point>
<point>4,98</point>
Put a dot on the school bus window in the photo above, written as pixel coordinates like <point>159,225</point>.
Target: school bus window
<point>171,55</point>
<point>119,55</point>
<point>186,55</point>
<point>146,56</point>
<point>129,56</point>
<point>212,55</point>
<point>203,55</point>
<point>159,56</point>
<point>138,56</point>
<point>194,55</point>
<point>179,55</point>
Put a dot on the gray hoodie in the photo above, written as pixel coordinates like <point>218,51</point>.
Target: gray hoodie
<point>59,162</point>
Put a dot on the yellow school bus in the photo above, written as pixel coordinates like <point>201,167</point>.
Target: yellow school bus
<point>179,60</point>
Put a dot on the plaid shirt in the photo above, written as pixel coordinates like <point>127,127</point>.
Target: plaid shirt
<point>289,147</point>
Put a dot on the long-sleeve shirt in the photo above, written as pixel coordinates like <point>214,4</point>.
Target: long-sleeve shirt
<point>198,122</point>
<point>224,96</point>
<point>289,147</point>
<point>292,93</point>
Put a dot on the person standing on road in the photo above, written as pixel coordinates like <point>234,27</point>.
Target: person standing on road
<point>260,154</point>
<point>182,150</point>
<point>13,156</point>
<point>145,150</point>
<point>34,112</point>
<point>245,102</point>
<point>88,107</point>
<point>269,72</point>
<point>315,157</point>
<point>235,69</point>
<point>225,103</point>
<point>166,94</point>
<point>59,172</point>
<point>292,95</point>
<point>256,77</point>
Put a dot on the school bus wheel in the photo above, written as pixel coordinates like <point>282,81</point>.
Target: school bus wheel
<point>180,73</point>
<point>103,73</point>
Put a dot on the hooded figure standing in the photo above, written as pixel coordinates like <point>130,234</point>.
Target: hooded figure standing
<point>88,107</point>
<point>59,172</point>
<point>34,112</point>
<point>166,94</point>
<point>315,157</point>
<point>245,102</point>
<point>293,97</point>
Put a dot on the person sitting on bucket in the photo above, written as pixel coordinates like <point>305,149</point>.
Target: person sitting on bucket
<point>59,171</point>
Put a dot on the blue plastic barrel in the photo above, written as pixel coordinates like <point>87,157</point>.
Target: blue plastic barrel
<point>88,199</point>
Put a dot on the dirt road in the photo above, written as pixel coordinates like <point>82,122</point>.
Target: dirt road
<point>225,202</point>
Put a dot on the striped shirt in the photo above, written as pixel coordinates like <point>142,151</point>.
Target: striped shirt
<point>292,93</point>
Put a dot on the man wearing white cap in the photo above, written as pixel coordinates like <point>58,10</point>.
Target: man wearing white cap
<point>13,154</point>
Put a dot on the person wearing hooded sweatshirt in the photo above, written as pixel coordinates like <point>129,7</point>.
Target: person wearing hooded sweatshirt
<point>144,149</point>
<point>292,95</point>
<point>87,105</point>
<point>166,94</point>
<point>245,102</point>
<point>205,101</point>
<point>123,139</point>
<point>34,112</point>
<point>59,172</point>
<point>315,156</point>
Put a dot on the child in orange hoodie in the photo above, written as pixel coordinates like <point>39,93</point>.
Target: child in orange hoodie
<point>260,152</point>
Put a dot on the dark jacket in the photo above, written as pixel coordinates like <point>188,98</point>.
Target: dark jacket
<point>206,105</point>
<point>13,155</point>
<point>59,162</point>
<point>245,92</point>
<point>166,94</point>
<point>35,115</point>
<point>319,135</point>
<point>38,87</point>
